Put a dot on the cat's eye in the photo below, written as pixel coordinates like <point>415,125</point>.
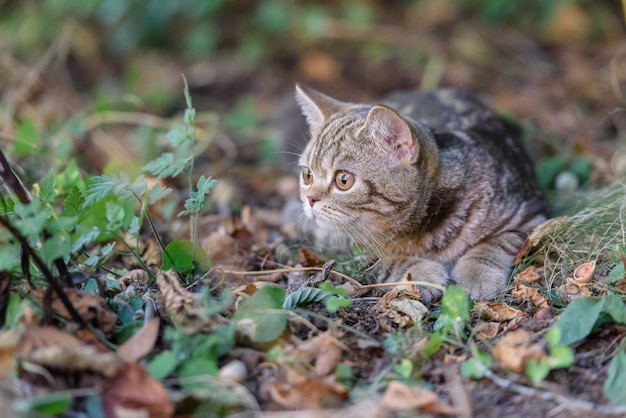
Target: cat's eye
<point>344,180</point>
<point>307,175</point>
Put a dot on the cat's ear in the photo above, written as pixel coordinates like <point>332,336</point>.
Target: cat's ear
<point>383,124</point>
<point>315,106</point>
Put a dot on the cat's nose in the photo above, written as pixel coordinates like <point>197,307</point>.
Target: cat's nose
<point>312,200</point>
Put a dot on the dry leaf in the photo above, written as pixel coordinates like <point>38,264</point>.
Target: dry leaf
<point>9,341</point>
<point>134,391</point>
<point>528,276</point>
<point>523,292</point>
<point>488,330</point>
<point>91,307</point>
<point>328,357</point>
<point>132,276</point>
<point>542,230</point>
<point>497,311</point>
<point>183,305</point>
<point>583,274</point>
<point>572,290</point>
<point>141,343</point>
<point>515,349</point>
<point>308,258</point>
<point>311,394</point>
<point>401,397</point>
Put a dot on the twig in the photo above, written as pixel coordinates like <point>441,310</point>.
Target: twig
<point>568,401</point>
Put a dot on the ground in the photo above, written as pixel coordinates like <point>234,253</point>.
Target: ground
<point>559,72</point>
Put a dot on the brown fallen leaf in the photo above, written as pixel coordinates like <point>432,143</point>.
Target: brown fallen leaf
<point>184,306</point>
<point>523,292</point>
<point>141,343</point>
<point>528,276</point>
<point>308,258</point>
<point>583,274</point>
<point>132,276</point>
<point>572,290</point>
<point>514,350</point>
<point>542,230</point>
<point>401,397</point>
<point>315,394</point>
<point>497,311</point>
<point>9,341</point>
<point>134,393</point>
<point>488,330</point>
<point>91,307</point>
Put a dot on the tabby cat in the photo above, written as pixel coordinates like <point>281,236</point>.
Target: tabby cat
<point>433,183</point>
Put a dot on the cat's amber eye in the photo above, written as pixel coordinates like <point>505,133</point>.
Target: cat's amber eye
<point>344,180</point>
<point>307,175</point>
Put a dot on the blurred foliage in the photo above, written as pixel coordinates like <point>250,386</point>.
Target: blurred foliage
<point>199,28</point>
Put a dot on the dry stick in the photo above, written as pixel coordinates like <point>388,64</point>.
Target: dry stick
<point>357,285</point>
<point>46,272</point>
<point>568,401</point>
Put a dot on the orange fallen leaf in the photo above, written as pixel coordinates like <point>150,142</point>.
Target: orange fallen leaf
<point>528,276</point>
<point>401,397</point>
<point>133,392</point>
<point>515,349</point>
<point>497,311</point>
<point>488,330</point>
<point>523,292</point>
<point>584,273</point>
<point>141,343</point>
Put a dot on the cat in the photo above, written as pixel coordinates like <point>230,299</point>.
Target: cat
<point>433,183</point>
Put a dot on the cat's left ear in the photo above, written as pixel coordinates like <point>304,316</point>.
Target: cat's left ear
<point>384,124</point>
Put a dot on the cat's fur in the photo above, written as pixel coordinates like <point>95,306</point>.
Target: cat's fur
<point>440,187</point>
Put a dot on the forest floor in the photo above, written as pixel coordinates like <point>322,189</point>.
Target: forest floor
<point>232,341</point>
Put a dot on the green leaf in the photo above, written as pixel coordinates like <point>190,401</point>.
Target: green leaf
<point>197,199</point>
<point>46,190</point>
<point>57,246</point>
<point>157,193</point>
<point>26,139</point>
<point>9,257</point>
<point>561,356</point>
<point>178,256</point>
<point>455,303</point>
<point>196,366</point>
<point>335,291</point>
<point>333,304</point>
<point>110,184</point>
<point>305,296</point>
<point>537,369</point>
<point>404,369</point>
<point>343,374</point>
<point>553,336</point>
<point>615,307</point>
<point>55,403</point>
<point>579,318</point>
<point>259,308</point>
<point>472,369</point>
<point>7,205</point>
<point>615,385</point>
<point>73,203</point>
<point>617,273</point>
<point>163,364</point>
<point>165,166</point>
<point>434,343</point>
<point>133,227</point>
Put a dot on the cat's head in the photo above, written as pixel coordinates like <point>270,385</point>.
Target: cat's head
<point>363,169</point>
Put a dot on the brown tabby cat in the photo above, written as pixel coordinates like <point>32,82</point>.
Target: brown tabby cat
<point>433,183</point>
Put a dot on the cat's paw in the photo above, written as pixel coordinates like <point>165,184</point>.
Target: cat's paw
<point>426,271</point>
<point>479,281</point>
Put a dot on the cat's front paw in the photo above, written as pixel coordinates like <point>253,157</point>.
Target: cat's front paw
<point>425,271</point>
<point>480,281</point>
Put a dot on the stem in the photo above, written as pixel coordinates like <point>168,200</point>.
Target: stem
<point>134,254</point>
<point>56,285</point>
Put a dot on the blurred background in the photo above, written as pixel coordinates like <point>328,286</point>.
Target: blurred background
<point>101,80</point>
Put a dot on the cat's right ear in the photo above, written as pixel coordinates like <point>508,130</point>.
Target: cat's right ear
<point>316,107</point>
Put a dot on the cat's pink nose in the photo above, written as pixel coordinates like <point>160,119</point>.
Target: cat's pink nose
<point>312,200</point>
